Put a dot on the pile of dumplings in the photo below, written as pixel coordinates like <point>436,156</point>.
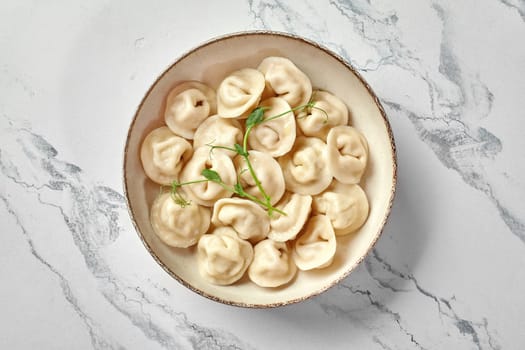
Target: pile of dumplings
<point>310,162</point>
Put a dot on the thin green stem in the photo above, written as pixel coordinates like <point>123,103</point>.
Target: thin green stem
<point>222,147</point>
<point>258,115</point>
<point>318,108</point>
<point>268,206</point>
<point>309,104</point>
<point>245,140</point>
<point>226,187</point>
<point>256,179</point>
<point>250,167</point>
<point>190,182</point>
<point>249,164</point>
<point>277,210</point>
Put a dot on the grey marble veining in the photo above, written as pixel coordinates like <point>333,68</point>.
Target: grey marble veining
<point>518,5</point>
<point>458,99</point>
<point>446,273</point>
<point>93,214</point>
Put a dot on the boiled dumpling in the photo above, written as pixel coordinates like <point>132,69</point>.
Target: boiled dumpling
<point>239,93</point>
<point>223,257</point>
<point>219,131</point>
<point>315,122</point>
<point>268,172</point>
<point>286,227</point>
<point>316,245</point>
<point>177,226</point>
<point>275,137</point>
<point>247,218</point>
<point>163,155</point>
<point>187,105</point>
<point>347,154</point>
<point>345,205</point>
<point>208,192</point>
<point>286,80</point>
<point>267,92</point>
<point>272,264</point>
<point>304,167</point>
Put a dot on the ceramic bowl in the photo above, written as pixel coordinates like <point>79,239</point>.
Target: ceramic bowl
<point>210,63</point>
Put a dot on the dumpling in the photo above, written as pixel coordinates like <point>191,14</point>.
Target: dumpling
<point>187,105</point>
<point>315,247</point>
<point>286,80</point>
<point>304,167</point>
<point>208,192</point>
<point>219,131</point>
<point>163,155</point>
<point>347,154</point>
<point>314,122</point>
<point>177,226</point>
<point>247,218</point>
<point>272,264</point>
<point>267,92</point>
<point>268,172</point>
<point>275,137</point>
<point>223,257</point>
<point>345,205</point>
<point>286,227</point>
<point>239,93</point>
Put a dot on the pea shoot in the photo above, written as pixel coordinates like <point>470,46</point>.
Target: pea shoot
<point>255,118</point>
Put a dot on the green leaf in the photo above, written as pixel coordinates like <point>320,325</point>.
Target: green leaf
<point>256,117</point>
<point>211,175</point>
<point>238,189</point>
<point>240,151</point>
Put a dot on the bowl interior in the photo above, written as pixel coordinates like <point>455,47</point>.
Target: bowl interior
<point>210,63</point>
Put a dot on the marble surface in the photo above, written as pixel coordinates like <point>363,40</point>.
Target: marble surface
<point>448,272</point>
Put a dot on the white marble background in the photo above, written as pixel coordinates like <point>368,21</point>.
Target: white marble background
<point>448,272</point>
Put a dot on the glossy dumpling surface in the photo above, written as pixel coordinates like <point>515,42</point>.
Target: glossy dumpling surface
<point>305,166</point>
<point>347,154</point>
<point>223,257</point>
<point>239,93</point>
<point>345,205</point>
<point>328,111</point>
<point>217,131</point>
<point>177,226</point>
<point>286,80</point>
<point>286,227</point>
<point>315,247</point>
<point>207,193</point>
<point>163,155</point>
<point>188,105</point>
<point>272,264</point>
<point>246,217</point>
<point>275,137</point>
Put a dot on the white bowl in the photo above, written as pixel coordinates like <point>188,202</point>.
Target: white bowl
<point>210,63</point>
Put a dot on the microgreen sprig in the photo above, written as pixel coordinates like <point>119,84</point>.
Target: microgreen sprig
<point>211,175</point>
<point>177,196</point>
<point>255,118</point>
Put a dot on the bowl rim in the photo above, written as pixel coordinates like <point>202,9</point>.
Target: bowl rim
<point>341,60</point>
